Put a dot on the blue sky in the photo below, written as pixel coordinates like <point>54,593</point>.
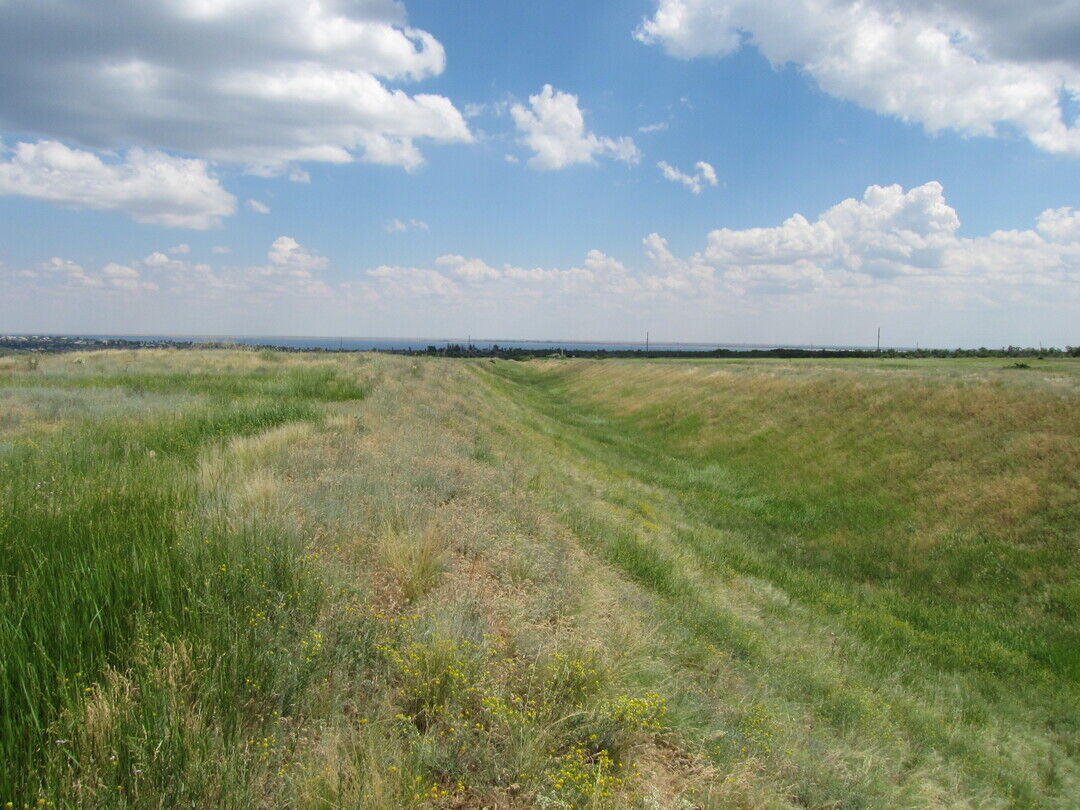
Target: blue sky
<point>715,170</point>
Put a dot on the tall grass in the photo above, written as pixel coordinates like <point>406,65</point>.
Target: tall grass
<point>318,383</point>
<point>114,577</point>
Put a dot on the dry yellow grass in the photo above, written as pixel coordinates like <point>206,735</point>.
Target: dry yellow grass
<point>987,448</point>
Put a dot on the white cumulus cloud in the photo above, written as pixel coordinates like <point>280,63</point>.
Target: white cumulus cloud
<point>286,252</point>
<point>151,187</point>
<point>888,250</point>
<point>472,270</point>
<point>975,67</point>
<point>895,238</point>
<point>600,262</point>
<point>411,281</point>
<point>158,259</point>
<point>258,207</point>
<point>553,126</point>
<point>123,277</point>
<point>69,271</point>
<point>704,175</point>
<point>257,83</point>
<point>1060,224</point>
<point>396,225</point>
<point>891,245</point>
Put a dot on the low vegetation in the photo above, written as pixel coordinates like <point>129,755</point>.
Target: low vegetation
<point>235,578</point>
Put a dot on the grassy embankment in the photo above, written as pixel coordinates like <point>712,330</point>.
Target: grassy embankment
<point>884,555</point>
<point>249,579</point>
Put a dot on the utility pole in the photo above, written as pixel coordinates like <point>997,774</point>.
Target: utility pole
<point>646,340</point>
<point>879,338</point>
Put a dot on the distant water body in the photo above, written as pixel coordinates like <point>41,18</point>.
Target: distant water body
<point>420,344</point>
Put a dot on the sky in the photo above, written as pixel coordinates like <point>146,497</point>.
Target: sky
<point>728,171</point>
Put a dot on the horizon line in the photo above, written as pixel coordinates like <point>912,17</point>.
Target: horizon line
<point>467,339</point>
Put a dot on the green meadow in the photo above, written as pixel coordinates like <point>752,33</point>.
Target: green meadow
<point>246,579</point>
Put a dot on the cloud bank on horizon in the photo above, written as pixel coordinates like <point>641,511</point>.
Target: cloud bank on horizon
<point>257,118</point>
<point>892,248</point>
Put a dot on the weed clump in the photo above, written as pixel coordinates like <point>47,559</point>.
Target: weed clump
<point>474,713</point>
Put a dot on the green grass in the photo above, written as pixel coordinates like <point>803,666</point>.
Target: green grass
<point>320,384</point>
<point>243,579</point>
<point>108,565</point>
<point>808,480</point>
<point>828,490</point>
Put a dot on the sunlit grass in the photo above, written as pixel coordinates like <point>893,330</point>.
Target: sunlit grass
<point>110,570</point>
<point>774,507</point>
<point>261,579</point>
<point>954,501</point>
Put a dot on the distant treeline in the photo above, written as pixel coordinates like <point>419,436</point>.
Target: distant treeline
<point>58,343</point>
<point>515,353</point>
<point>54,343</point>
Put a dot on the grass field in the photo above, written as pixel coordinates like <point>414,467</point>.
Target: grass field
<point>259,579</point>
